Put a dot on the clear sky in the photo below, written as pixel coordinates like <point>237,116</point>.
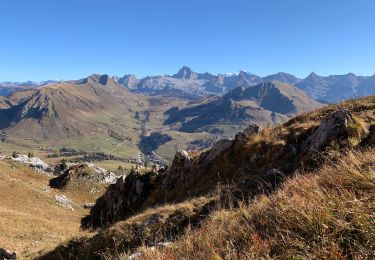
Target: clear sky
<point>70,39</point>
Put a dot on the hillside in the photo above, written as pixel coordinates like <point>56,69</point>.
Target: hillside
<point>30,220</point>
<point>73,113</point>
<point>66,109</point>
<point>301,189</point>
<point>5,103</point>
<point>263,104</point>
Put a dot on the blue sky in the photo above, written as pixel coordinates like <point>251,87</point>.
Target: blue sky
<point>70,39</point>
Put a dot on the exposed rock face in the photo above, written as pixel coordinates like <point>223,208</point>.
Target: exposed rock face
<point>83,174</point>
<point>33,162</point>
<point>121,199</point>
<point>216,149</point>
<point>129,194</point>
<point>334,125</point>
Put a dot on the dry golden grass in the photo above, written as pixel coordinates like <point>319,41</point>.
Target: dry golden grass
<point>30,220</point>
<point>151,226</point>
<point>326,211</point>
<point>329,214</point>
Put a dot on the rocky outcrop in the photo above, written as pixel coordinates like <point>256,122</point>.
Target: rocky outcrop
<point>4,254</point>
<point>216,149</point>
<point>130,194</point>
<point>33,162</point>
<point>121,199</point>
<point>333,126</point>
<point>82,174</point>
<point>244,136</point>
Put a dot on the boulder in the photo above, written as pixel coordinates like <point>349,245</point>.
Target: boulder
<point>181,156</point>
<point>242,137</point>
<point>82,174</point>
<point>88,205</point>
<point>333,126</point>
<point>4,254</point>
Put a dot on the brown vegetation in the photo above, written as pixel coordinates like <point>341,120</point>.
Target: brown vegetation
<point>327,214</point>
<point>282,202</point>
<point>30,220</point>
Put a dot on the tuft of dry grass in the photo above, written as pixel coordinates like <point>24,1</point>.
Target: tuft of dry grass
<point>328,214</point>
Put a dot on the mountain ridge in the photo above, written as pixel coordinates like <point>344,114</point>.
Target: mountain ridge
<point>187,83</point>
<point>265,103</point>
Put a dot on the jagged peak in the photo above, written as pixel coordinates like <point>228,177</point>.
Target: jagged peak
<point>313,75</point>
<point>103,79</point>
<point>129,81</point>
<point>129,76</point>
<point>185,73</point>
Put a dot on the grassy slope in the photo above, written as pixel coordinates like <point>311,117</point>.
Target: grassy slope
<point>326,212</point>
<point>30,220</point>
<point>88,117</point>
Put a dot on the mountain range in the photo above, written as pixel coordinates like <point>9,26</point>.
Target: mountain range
<point>98,114</point>
<point>264,104</point>
<point>189,84</point>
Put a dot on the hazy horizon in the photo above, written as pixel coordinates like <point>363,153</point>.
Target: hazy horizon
<point>171,74</point>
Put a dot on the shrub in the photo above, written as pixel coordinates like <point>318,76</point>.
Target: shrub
<point>30,155</point>
<point>63,164</point>
<point>15,154</point>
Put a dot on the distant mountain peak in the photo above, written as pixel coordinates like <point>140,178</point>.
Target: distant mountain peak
<point>313,75</point>
<point>185,73</point>
<point>97,78</point>
<point>129,81</point>
<point>243,73</point>
<point>282,77</point>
